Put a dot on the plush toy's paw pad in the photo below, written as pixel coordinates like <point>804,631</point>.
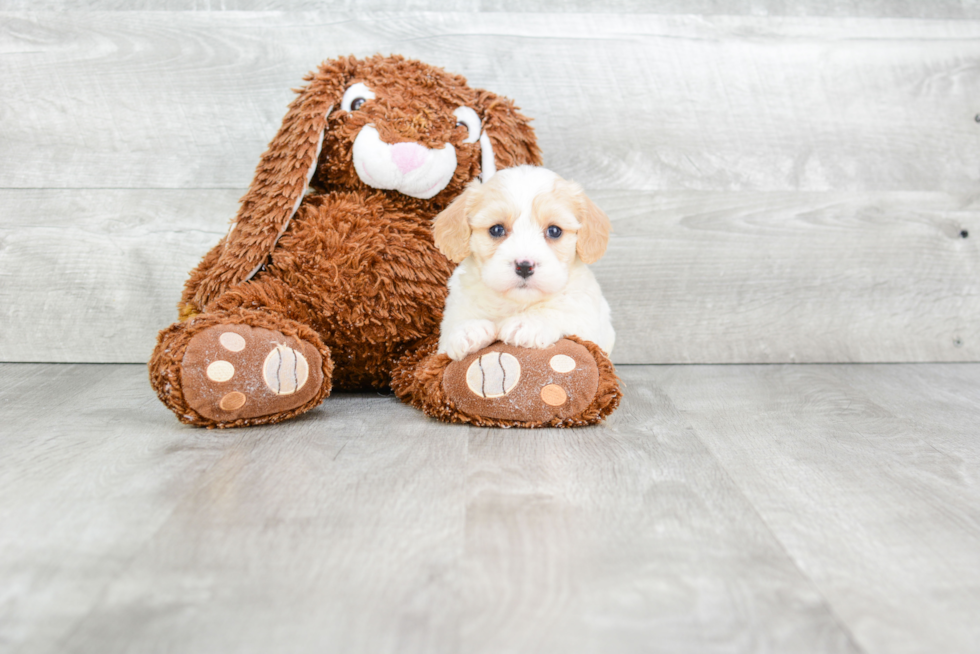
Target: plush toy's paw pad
<point>237,371</point>
<point>493,374</point>
<point>531,385</point>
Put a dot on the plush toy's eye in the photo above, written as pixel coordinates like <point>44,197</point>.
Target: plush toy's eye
<point>469,118</point>
<point>554,231</point>
<point>497,231</point>
<point>355,96</point>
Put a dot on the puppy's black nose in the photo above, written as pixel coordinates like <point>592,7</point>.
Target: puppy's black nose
<point>524,269</point>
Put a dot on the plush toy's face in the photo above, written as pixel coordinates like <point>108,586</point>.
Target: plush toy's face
<point>404,126</point>
<point>409,129</point>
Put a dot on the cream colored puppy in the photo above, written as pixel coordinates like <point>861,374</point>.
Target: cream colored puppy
<point>523,240</point>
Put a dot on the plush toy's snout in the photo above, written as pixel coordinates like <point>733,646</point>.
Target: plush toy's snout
<point>420,168</point>
<point>409,168</point>
<point>408,156</point>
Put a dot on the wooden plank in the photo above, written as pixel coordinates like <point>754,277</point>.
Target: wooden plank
<point>792,277</point>
<point>91,466</point>
<point>339,533</point>
<point>134,532</point>
<point>722,508</point>
<point>365,527</point>
<point>626,538</point>
<point>868,476</point>
<point>934,9</point>
<point>639,102</point>
<point>92,275</point>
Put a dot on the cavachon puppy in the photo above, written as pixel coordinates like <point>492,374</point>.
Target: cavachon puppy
<point>329,276</point>
<point>526,331</point>
<point>523,240</point>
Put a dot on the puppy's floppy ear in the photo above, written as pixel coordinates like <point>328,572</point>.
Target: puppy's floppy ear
<point>451,228</point>
<point>508,139</point>
<point>593,235</point>
<point>276,191</point>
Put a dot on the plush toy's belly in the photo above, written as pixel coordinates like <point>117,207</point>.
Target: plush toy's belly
<point>371,278</point>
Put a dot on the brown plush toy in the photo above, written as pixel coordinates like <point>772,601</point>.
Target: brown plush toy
<point>329,278</point>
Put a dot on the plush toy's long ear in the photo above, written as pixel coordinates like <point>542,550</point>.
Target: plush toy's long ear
<point>508,139</point>
<point>275,194</point>
<point>451,228</point>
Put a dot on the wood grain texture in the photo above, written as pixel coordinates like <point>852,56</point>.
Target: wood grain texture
<point>692,277</point>
<point>785,188</point>
<point>633,102</point>
<point>792,277</point>
<point>93,275</point>
<point>627,537</point>
<point>136,534</point>
<point>362,528</point>
<point>824,508</point>
<point>868,476</point>
<point>90,470</point>
<point>837,8</point>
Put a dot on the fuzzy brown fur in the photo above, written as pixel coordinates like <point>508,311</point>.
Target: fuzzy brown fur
<point>415,103</point>
<point>354,271</point>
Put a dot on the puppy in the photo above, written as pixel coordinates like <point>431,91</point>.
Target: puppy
<point>522,240</point>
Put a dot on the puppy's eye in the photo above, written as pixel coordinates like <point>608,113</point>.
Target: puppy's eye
<point>355,96</point>
<point>497,231</point>
<point>554,231</point>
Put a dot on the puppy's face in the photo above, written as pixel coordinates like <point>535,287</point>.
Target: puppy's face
<point>523,236</point>
<point>523,229</point>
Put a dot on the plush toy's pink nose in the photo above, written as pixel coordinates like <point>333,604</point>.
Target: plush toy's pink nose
<point>408,156</point>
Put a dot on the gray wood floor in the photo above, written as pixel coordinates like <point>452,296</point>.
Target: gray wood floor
<point>831,508</point>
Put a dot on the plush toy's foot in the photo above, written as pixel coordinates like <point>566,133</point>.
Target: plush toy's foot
<point>237,371</point>
<point>240,368</point>
<point>513,383</point>
<point>571,383</point>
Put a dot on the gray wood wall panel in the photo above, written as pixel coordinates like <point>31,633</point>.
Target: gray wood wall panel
<point>692,277</point>
<point>93,275</point>
<point>189,100</point>
<point>837,8</point>
<point>699,277</point>
<point>784,189</point>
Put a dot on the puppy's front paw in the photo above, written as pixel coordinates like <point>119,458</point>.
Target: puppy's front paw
<point>468,337</point>
<point>528,332</point>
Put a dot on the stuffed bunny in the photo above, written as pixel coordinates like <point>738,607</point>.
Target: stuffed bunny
<point>329,278</point>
